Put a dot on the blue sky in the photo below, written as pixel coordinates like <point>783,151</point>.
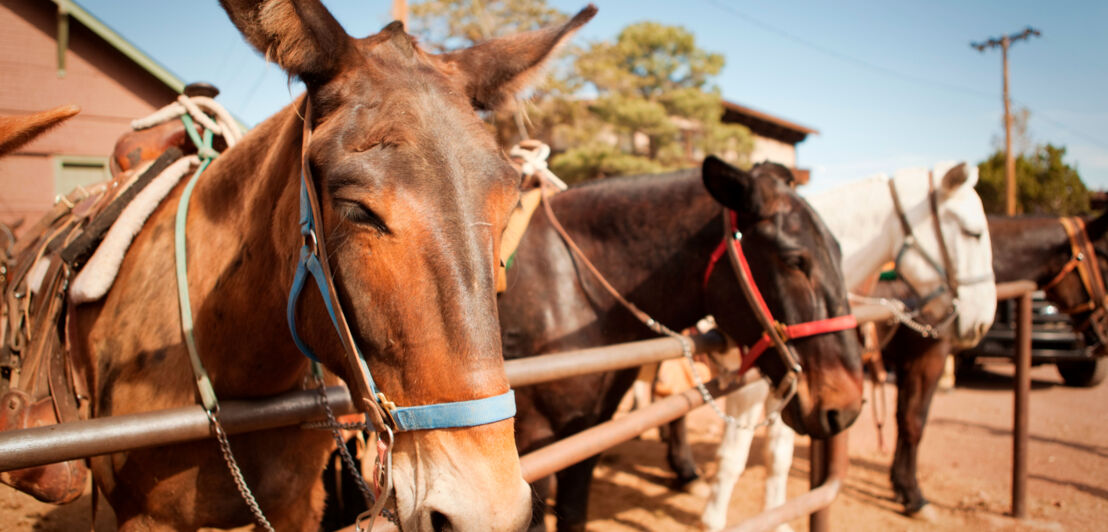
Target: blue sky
<point>887,84</point>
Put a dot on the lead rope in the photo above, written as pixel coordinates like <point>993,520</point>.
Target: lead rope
<point>659,328</point>
<point>203,382</point>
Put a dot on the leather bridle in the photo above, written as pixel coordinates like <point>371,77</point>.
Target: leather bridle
<point>945,268</point>
<point>1083,260</point>
<point>383,414</point>
<point>776,334</point>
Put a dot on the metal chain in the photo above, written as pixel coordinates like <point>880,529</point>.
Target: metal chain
<point>686,351</point>
<point>347,459</point>
<point>901,314</point>
<point>236,473</point>
<point>328,425</point>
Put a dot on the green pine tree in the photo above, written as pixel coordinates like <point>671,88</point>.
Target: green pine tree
<point>1045,184</point>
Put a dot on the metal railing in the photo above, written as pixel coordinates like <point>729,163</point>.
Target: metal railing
<point>79,439</point>
<point>829,459</point>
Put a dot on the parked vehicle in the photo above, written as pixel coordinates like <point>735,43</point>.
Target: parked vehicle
<point>1053,341</point>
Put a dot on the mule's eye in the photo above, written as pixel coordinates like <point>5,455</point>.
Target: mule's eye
<point>798,261</point>
<point>362,215</point>
<point>972,234</point>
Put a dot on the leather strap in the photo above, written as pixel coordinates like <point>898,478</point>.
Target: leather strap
<point>382,413</point>
<point>944,253</point>
<point>776,334</point>
<point>1083,259</point>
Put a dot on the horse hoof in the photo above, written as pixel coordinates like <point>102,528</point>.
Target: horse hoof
<point>697,487</point>
<point>925,513</point>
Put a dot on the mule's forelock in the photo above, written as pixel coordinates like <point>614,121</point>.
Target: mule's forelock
<point>777,170</point>
<point>299,35</point>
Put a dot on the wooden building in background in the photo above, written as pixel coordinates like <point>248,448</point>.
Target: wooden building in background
<point>775,138</point>
<point>53,52</point>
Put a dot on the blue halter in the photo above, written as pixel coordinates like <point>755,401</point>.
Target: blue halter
<point>400,418</point>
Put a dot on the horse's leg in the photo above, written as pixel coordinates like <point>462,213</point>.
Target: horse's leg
<point>679,454</point>
<point>779,460</point>
<point>572,506</point>
<point>917,374</point>
<point>734,449</point>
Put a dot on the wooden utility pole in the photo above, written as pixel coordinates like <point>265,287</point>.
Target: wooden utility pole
<point>400,11</point>
<point>1009,162</point>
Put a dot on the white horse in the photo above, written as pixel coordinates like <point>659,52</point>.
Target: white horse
<point>864,218</point>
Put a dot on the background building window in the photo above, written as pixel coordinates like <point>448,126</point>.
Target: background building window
<point>71,172</point>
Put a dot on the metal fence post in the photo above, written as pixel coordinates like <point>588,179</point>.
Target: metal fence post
<point>1021,414</point>
<point>829,461</point>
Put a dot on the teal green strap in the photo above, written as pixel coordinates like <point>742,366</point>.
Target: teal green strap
<point>203,382</point>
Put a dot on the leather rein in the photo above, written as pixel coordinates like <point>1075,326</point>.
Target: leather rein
<point>1084,261</point>
<point>776,333</point>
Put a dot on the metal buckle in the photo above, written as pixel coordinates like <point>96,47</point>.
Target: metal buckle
<point>387,408</point>
<point>311,242</point>
<point>782,330</point>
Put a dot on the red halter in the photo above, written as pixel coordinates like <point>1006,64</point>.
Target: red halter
<point>776,333</point>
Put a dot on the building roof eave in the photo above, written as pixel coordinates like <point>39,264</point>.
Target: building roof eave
<point>791,130</point>
<point>119,43</point>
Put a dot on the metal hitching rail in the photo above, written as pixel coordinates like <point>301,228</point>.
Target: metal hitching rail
<point>42,445</point>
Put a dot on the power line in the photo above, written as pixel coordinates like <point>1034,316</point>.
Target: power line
<point>888,71</point>
<point>1087,137</point>
<point>847,58</point>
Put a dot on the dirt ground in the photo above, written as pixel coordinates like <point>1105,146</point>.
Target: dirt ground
<point>965,470</point>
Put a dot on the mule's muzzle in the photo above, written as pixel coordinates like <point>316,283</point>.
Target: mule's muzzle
<point>835,420</point>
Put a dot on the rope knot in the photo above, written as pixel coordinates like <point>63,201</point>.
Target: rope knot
<point>531,156</point>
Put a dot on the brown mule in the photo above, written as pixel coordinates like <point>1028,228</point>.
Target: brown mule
<point>414,195</point>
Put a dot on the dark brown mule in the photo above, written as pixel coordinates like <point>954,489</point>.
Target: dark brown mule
<point>414,195</point>
<point>652,237</point>
<point>1030,247</point>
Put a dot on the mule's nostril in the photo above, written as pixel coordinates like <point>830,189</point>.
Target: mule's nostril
<point>440,523</point>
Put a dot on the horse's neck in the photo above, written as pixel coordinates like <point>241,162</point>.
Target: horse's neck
<point>651,238</point>
<point>1027,248</point>
<point>243,228</point>
<point>863,219</point>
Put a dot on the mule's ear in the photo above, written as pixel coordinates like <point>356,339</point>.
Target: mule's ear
<point>733,188</point>
<point>1097,227</point>
<point>956,177</point>
<point>495,70</point>
<point>299,35</point>
<point>15,131</point>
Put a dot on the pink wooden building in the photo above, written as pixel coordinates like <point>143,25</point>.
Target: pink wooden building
<point>53,52</point>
